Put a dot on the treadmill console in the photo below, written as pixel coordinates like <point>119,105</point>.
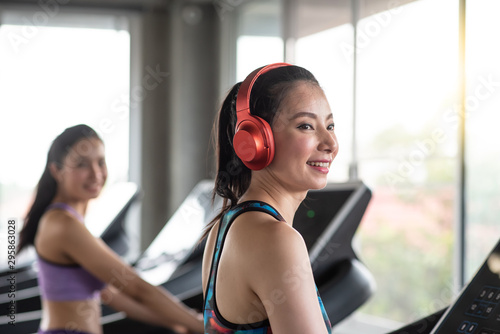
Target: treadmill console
<point>477,308</point>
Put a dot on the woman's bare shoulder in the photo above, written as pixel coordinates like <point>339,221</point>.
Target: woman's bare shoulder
<point>57,231</point>
<point>266,235</point>
<point>59,223</point>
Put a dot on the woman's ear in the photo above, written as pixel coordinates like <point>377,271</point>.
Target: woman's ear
<point>55,171</point>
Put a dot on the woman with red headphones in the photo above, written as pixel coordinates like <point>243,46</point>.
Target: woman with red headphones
<point>275,141</point>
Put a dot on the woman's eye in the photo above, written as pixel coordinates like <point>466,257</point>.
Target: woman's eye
<point>331,127</point>
<point>305,127</point>
<point>82,163</point>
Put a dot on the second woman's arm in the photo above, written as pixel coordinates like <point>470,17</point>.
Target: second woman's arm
<point>96,257</point>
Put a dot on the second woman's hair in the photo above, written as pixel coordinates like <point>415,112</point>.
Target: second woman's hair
<point>269,90</point>
<point>47,186</point>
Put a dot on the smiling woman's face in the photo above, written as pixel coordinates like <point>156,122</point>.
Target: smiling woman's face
<point>304,138</point>
<point>83,172</point>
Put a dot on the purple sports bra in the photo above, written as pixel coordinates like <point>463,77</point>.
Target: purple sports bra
<point>58,282</point>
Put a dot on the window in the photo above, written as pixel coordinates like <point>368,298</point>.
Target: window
<point>482,103</point>
<point>249,60</point>
<point>54,77</point>
<point>259,39</point>
<point>407,138</point>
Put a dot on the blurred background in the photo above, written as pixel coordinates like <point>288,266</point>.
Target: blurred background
<point>414,87</point>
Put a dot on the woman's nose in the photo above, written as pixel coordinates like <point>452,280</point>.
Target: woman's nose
<point>328,142</point>
<point>96,171</point>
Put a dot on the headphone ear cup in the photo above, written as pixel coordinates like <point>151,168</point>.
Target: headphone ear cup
<point>253,140</point>
<point>253,143</point>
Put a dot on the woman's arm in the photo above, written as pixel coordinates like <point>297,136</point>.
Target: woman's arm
<point>133,310</point>
<point>96,257</point>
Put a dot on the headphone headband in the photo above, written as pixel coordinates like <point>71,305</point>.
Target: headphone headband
<point>243,99</point>
<point>253,140</point>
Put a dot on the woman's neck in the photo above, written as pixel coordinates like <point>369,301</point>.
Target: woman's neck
<point>79,206</point>
<point>282,200</point>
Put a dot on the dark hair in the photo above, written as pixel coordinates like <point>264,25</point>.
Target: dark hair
<point>269,90</point>
<point>47,186</point>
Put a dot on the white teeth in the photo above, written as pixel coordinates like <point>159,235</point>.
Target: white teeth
<point>319,164</point>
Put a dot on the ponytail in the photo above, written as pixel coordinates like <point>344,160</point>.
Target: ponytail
<point>45,193</point>
<point>233,177</point>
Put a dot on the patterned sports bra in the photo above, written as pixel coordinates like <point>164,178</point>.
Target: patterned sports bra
<point>214,321</point>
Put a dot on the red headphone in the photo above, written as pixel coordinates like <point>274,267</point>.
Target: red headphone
<point>253,140</point>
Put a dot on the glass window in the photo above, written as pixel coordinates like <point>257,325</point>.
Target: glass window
<point>249,60</point>
<point>407,65</point>
<point>52,78</point>
<point>259,39</point>
<point>482,103</point>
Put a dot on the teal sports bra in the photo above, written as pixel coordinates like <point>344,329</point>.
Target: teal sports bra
<point>214,321</point>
